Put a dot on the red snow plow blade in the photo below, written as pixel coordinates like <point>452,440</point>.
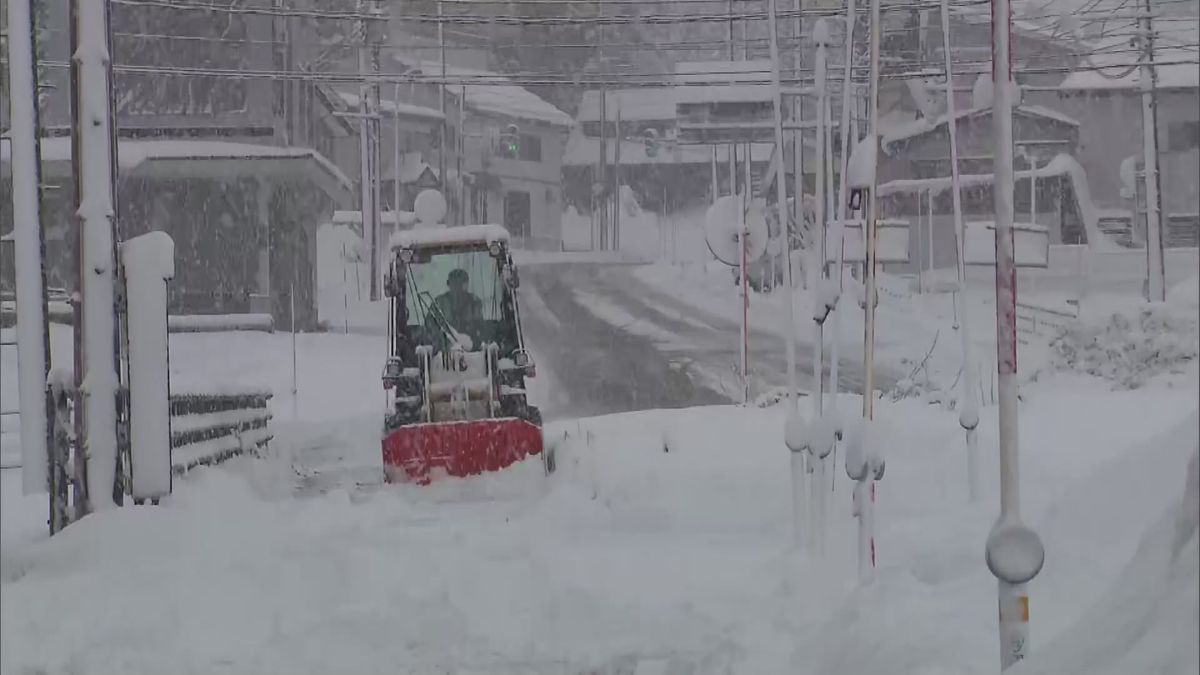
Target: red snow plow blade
<point>417,453</point>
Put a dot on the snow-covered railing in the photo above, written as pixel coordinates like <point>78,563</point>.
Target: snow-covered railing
<point>209,323</point>
<point>211,428</point>
<point>1043,321</point>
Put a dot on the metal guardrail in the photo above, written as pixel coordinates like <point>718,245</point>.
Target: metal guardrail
<point>208,429</point>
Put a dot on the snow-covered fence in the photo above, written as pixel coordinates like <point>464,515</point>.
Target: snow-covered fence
<point>211,428</point>
<point>1044,322</point>
<point>209,323</point>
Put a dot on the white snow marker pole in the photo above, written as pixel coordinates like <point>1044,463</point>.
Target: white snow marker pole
<point>716,189</point>
<point>345,294</point>
<point>98,269</point>
<point>33,357</point>
<point>789,333</point>
<point>968,416</point>
<point>1147,82</point>
<point>295,380</point>
<point>842,205</point>
<point>866,523</point>
<point>745,337</point>
<point>819,446</point>
<point>1014,553</point>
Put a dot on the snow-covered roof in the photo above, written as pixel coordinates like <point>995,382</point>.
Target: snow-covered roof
<point>431,237</point>
<point>396,108</point>
<point>895,131</point>
<point>585,151</point>
<point>392,218</point>
<point>132,153</point>
<point>1181,71</point>
<point>645,104</point>
<point>494,93</point>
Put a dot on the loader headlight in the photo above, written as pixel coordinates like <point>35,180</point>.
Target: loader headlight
<point>406,255</point>
<point>494,249</point>
<point>522,360</point>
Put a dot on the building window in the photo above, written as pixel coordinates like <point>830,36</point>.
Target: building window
<point>531,148</point>
<point>1183,136</point>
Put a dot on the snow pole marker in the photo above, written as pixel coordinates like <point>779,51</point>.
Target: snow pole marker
<point>820,445</point>
<point>968,417</point>
<point>793,441</point>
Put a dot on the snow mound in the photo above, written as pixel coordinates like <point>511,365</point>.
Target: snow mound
<point>1148,620</point>
<point>1185,294</point>
<point>1129,347</point>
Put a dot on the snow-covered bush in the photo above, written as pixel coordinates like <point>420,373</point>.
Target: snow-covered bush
<point>1130,347</point>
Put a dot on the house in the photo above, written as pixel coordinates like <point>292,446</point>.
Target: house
<point>914,183</point>
<point>518,186</point>
<point>1108,106</point>
<point>214,161</point>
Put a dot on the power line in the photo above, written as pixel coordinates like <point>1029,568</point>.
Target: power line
<point>535,79</point>
<point>506,20</point>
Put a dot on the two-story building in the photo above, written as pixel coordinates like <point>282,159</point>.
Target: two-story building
<point>518,184</point>
<point>207,157</point>
<point>1108,106</point>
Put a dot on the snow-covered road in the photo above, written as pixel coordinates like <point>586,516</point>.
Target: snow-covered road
<point>616,344</point>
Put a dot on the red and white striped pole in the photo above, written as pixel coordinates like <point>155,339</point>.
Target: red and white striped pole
<point>1014,552</point>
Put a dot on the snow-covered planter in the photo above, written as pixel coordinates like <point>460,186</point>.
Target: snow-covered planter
<point>1129,348</point>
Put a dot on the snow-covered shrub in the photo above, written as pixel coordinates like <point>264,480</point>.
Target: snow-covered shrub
<point>1130,347</point>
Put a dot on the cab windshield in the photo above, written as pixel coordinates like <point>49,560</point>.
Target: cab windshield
<point>451,295</point>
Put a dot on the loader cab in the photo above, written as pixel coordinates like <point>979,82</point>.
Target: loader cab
<point>453,310</point>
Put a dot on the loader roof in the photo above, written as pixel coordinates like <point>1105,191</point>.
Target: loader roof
<point>449,237</point>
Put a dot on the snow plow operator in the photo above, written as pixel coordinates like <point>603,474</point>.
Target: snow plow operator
<point>460,308</point>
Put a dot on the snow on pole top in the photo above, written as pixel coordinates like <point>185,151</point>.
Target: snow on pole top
<point>153,252</point>
<point>820,32</point>
<point>449,236</point>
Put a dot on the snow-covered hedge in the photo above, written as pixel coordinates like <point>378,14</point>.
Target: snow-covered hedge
<point>1129,347</point>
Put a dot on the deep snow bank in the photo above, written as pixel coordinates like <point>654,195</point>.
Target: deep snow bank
<point>1147,622</point>
<point>663,534</point>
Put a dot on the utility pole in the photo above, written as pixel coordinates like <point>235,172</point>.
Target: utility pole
<point>33,337</point>
<point>368,146</point>
<point>1147,82</point>
<point>798,136</point>
<point>441,36</point>
<point>1014,552</point>
<point>93,163</point>
<point>616,231</point>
